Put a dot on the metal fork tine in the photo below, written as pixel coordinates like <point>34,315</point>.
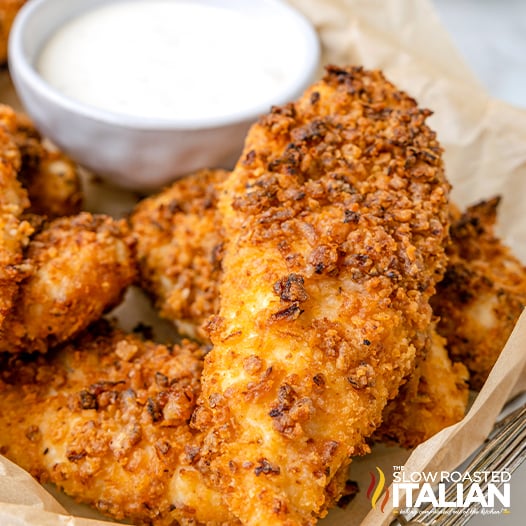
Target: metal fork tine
<point>505,442</point>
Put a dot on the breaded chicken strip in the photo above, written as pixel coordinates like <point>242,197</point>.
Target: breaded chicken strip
<point>14,232</point>
<point>482,294</point>
<point>80,268</point>
<point>51,179</point>
<point>179,245</point>
<point>106,419</point>
<point>335,220</point>
<point>8,11</point>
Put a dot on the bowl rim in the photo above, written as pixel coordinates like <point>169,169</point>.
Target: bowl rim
<point>19,62</point>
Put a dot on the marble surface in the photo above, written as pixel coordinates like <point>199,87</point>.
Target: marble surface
<point>491,35</point>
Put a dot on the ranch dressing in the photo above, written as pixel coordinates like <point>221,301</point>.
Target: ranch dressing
<point>169,59</point>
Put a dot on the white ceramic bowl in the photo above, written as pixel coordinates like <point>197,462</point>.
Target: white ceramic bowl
<point>138,152</point>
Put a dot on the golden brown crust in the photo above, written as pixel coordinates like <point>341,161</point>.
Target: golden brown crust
<point>8,11</point>
<point>436,393</point>
<point>80,268</point>
<point>435,396</point>
<point>179,245</point>
<point>106,419</point>
<point>48,176</point>
<point>335,220</point>
<point>14,232</point>
<point>51,179</point>
<point>482,294</point>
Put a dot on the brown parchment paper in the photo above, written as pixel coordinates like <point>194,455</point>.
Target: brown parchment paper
<point>485,154</point>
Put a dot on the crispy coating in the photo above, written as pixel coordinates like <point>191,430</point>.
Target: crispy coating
<point>51,179</point>
<point>25,161</point>
<point>106,419</point>
<point>8,11</point>
<point>80,268</point>
<point>482,274</point>
<point>179,245</point>
<point>14,232</point>
<point>482,294</point>
<point>435,396</point>
<point>335,222</point>
<point>183,225</point>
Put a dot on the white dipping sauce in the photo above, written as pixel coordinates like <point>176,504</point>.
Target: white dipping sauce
<point>170,59</point>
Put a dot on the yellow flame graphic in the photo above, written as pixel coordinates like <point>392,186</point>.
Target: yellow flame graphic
<point>379,488</point>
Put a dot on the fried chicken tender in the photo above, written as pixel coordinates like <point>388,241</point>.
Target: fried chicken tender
<point>184,225</point>
<point>335,221</point>
<point>179,245</point>
<point>51,179</point>
<point>14,231</point>
<point>80,267</point>
<point>8,11</point>
<point>482,294</point>
<point>105,418</point>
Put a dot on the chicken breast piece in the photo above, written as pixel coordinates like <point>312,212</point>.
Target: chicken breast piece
<point>184,225</point>
<point>105,418</point>
<point>180,239</point>
<point>14,231</point>
<point>335,221</point>
<point>482,294</point>
<point>80,268</point>
<point>51,179</point>
<point>179,249</point>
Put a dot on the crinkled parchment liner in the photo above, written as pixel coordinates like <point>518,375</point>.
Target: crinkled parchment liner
<point>485,152</point>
